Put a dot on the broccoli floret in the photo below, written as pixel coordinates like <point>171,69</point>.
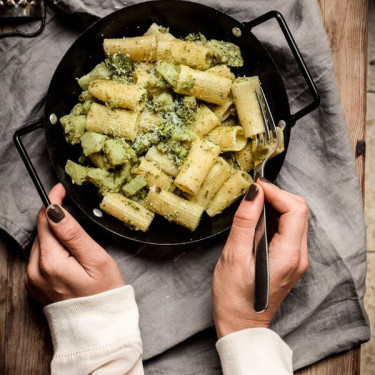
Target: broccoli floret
<point>174,150</point>
<point>122,67</point>
<point>144,141</point>
<point>163,103</point>
<point>186,109</point>
<point>226,53</point>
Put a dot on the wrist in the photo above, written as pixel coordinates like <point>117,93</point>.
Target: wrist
<point>225,327</point>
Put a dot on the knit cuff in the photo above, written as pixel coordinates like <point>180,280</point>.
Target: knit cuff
<point>254,351</point>
<point>89,323</point>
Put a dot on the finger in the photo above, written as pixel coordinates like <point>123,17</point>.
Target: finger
<point>69,232</point>
<point>35,243</point>
<point>293,210</point>
<point>51,250</point>
<point>241,236</point>
<point>57,194</point>
<point>304,257</point>
<point>281,200</point>
<point>33,271</point>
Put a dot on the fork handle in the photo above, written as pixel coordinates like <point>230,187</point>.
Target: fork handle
<point>262,279</point>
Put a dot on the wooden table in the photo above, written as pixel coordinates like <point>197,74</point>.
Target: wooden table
<point>25,344</point>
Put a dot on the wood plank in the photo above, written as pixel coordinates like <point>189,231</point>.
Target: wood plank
<point>346,25</point>
<point>347,363</point>
<point>3,301</point>
<point>27,342</point>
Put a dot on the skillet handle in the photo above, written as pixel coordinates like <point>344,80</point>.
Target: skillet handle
<point>26,159</point>
<point>297,55</point>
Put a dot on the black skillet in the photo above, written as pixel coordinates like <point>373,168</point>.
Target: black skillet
<point>182,18</point>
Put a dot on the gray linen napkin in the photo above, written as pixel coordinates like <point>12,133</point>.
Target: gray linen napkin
<point>324,313</point>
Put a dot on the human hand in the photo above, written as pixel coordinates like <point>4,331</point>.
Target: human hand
<point>233,279</point>
<point>65,262</point>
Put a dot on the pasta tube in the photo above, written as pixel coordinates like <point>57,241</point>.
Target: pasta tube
<point>148,121</point>
<point>249,112</point>
<point>139,48</point>
<point>205,120</point>
<point>116,122</point>
<point>218,174</point>
<point>222,70</point>
<point>233,188</point>
<point>128,211</point>
<point>224,111</point>
<point>162,160</point>
<point>186,53</point>
<point>197,165</point>
<point>228,138</point>
<point>209,87</point>
<point>245,158</point>
<point>118,94</point>
<point>153,174</point>
<point>206,86</point>
<point>174,208</point>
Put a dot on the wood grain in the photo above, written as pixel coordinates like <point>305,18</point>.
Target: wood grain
<point>25,345</point>
<point>346,25</point>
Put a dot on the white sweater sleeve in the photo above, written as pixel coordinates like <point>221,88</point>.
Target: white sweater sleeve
<point>257,351</point>
<point>98,334</point>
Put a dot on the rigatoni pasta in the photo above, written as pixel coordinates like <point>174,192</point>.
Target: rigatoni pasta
<point>166,128</point>
<point>228,138</point>
<point>245,158</point>
<point>174,208</point>
<point>184,53</point>
<point>115,122</point>
<point>201,158</point>
<point>230,191</point>
<point>118,94</point>
<point>153,174</point>
<point>205,121</point>
<point>162,160</point>
<point>249,112</point>
<point>128,211</point>
<point>139,48</point>
<point>210,87</point>
<point>218,174</point>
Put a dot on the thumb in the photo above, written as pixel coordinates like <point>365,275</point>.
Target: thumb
<point>69,232</point>
<point>245,220</point>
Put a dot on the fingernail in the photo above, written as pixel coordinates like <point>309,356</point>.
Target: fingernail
<point>251,193</point>
<point>263,179</point>
<point>55,213</point>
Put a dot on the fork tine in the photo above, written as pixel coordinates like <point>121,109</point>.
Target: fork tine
<point>269,114</point>
<point>265,121</point>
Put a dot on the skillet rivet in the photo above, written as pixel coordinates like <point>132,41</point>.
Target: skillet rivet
<point>281,124</point>
<point>236,32</point>
<point>97,212</point>
<point>53,119</point>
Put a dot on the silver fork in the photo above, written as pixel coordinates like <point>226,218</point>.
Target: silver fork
<point>262,278</point>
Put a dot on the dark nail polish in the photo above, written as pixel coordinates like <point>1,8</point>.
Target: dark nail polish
<point>251,193</point>
<point>55,213</point>
<point>263,179</point>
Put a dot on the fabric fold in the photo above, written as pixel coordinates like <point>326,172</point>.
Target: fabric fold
<point>173,285</point>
